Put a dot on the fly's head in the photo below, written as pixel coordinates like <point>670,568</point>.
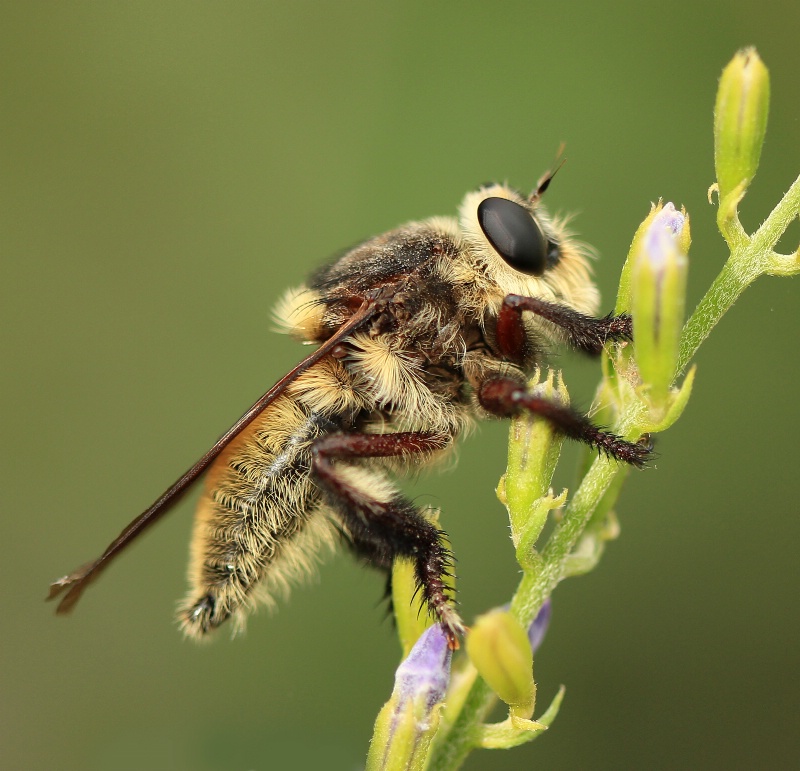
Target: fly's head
<point>512,245</point>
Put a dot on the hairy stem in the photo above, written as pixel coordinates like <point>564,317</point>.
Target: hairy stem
<point>746,264</point>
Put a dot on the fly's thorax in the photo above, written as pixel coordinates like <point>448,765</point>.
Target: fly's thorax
<point>397,382</point>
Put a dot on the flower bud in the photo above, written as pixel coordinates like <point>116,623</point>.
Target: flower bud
<point>658,294</point>
<point>740,120</point>
<point>499,648</point>
<point>409,720</point>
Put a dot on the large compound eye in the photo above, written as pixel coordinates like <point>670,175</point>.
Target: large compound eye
<point>515,234</point>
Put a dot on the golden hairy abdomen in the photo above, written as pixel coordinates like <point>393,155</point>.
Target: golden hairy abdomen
<point>255,529</point>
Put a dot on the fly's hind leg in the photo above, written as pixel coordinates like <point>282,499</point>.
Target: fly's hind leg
<point>381,523</point>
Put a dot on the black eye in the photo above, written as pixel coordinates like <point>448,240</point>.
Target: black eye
<point>515,234</point>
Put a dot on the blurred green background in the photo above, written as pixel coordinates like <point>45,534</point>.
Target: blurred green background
<point>168,168</point>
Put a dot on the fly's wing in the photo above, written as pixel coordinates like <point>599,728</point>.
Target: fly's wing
<point>75,583</point>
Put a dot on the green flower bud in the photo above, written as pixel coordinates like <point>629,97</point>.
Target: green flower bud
<point>740,121</point>
<point>499,648</point>
<point>658,294</point>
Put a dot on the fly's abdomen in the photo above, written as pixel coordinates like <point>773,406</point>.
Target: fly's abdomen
<point>258,527</point>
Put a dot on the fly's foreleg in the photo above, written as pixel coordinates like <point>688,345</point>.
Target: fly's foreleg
<point>586,333</point>
<point>381,523</point>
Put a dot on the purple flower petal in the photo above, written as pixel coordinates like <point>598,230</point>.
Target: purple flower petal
<point>538,629</point>
<point>425,673</point>
<point>663,233</point>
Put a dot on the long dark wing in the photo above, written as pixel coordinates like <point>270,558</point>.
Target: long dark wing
<point>75,583</point>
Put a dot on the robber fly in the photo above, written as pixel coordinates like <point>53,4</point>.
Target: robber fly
<point>420,331</point>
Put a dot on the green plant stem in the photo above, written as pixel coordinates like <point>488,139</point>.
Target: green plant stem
<point>745,265</point>
<point>535,587</point>
<point>576,516</point>
<point>538,583</point>
<point>779,219</point>
<point>722,294</point>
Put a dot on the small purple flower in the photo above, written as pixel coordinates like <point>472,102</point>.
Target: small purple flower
<point>425,673</point>
<point>538,629</point>
<point>663,234</point>
<point>409,720</point>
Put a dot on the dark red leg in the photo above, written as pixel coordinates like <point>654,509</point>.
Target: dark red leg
<point>583,332</point>
<point>505,397</point>
<point>384,527</point>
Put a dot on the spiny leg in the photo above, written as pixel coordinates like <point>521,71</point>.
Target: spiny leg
<point>586,333</point>
<point>506,397</point>
<point>381,523</point>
